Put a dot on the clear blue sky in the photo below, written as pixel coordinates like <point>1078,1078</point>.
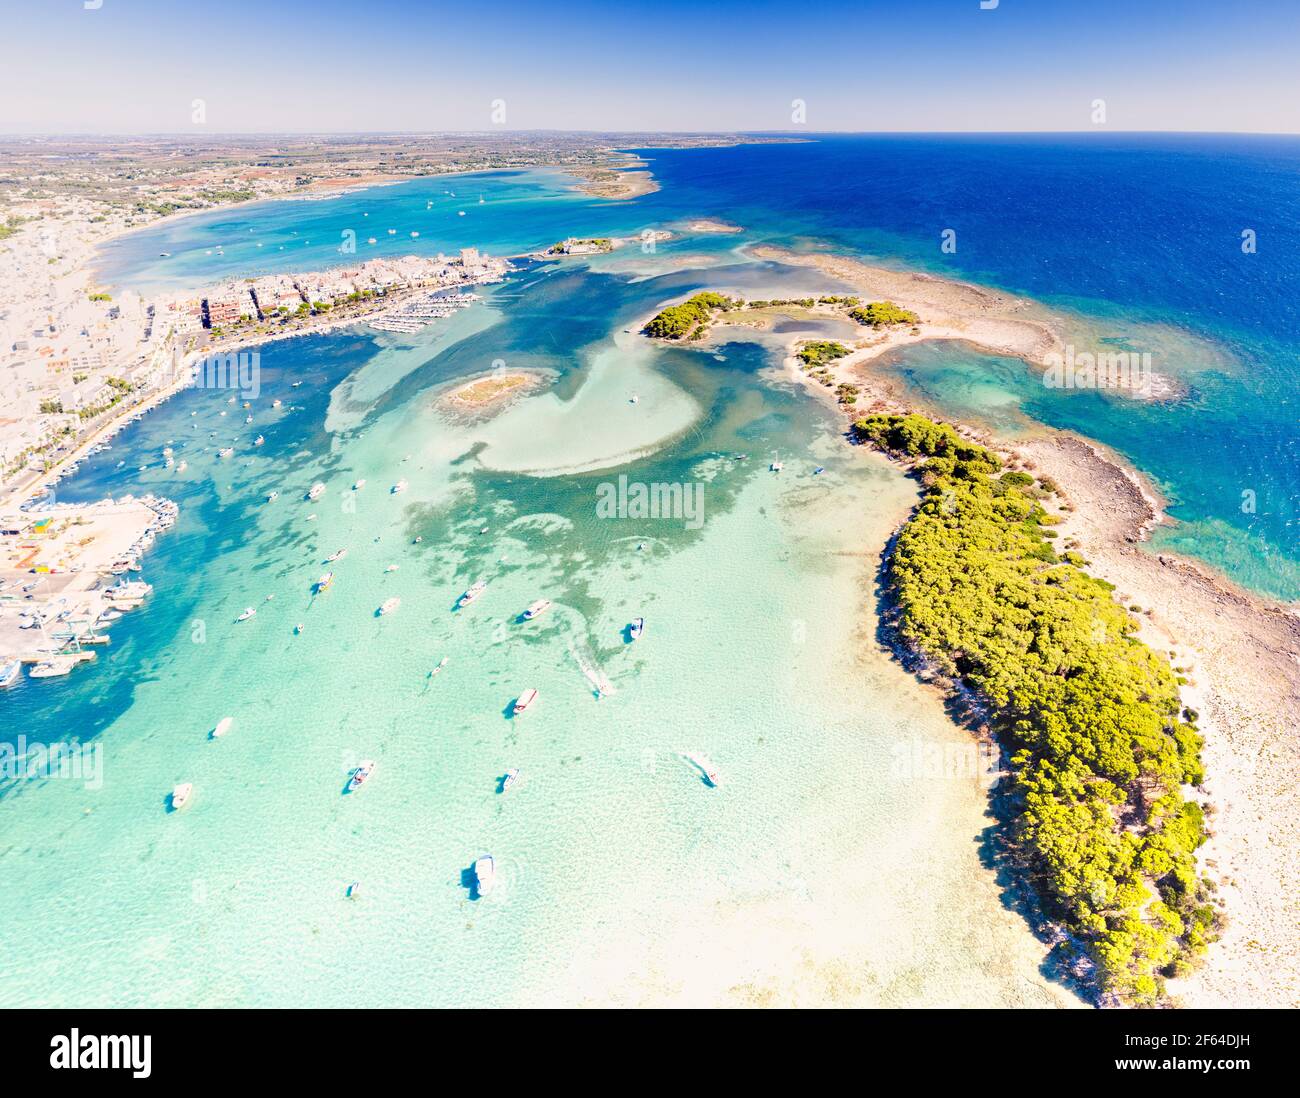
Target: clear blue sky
<point>327,65</point>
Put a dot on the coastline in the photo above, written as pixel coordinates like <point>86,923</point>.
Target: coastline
<point>1244,694</point>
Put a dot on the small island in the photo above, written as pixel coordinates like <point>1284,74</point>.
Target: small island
<point>1040,654</point>
<point>491,393</point>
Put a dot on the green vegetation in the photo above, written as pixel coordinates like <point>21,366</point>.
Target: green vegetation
<point>882,314</point>
<point>689,319</point>
<point>10,225</point>
<point>819,352</point>
<point>1090,718</point>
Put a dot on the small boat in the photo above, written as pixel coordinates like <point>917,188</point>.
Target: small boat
<point>299,628</point>
<point>390,568</point>
<point>507,782</point>
<point>636,628</point>
<point>248,419</point>
<point>776,466</point>
<point>371,240</point>
<point>258,441</point>
<point>53,668</point>
<point>705,767</point>
<point>226,451</point>
<point>248,613</point>
<point>400,486</point>
<point>360,774</point>
<point>635,399</point>
<point>223,726</point>
<point>181,795</point>
<point>9,672</point>
<point>537,608</point>
<point>317,490</point>
<point>819,469</point>
<point>392,232</point>
<point>475,589</point>
<point>272,497</point>
<point>164,255</point>
<point>441,664</point>
<point>323,584</point>
<point>276,402</point>
<point>389,606</point>
<point>359,485</point>
<point>525,700</point>
<point>485,873</point>
<point>182,466</point>
<point>338,554</point>
<point>354,889</point>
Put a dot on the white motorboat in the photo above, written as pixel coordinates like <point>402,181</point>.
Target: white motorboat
<point>776,466</point>
<point>400,486</point>
<point>9,672</point>
<point>390,568</point>
<point>359,485</point>
<point>248,613</point>
<point>317,490</point>
<point>705,767</point>
<point>258,441</point>
<point>338,554</point>
<point>181,795</point>
<point>227,451</point>
<point>223,726</point>
<point>53,668</point>
<point>475,589</point>
<point>485,874</point>
<point>510,779</point>
<point>536,609</point>
<point>525,700</point>
<point>637,627</point>
<point>360,774</point>
<point>389,606</point>
<point>323,584</point>
<point>271,497</point>
<point>441,664</point>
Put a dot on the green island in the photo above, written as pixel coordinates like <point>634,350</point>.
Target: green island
<point>1098,742</point>
<point>817,355</point>
<point>690,319</point>
<point>883,314</point>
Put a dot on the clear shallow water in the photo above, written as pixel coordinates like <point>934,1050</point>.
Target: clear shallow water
<point>822,871</point>
<point>1137,237</point>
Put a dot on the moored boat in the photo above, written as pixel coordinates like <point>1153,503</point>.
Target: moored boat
<point>472,592</point>
<point>248,613</point>
<point>485,873</point>
<point>707,770</point>
<point>316,491</point>
<point>637,627</point>
<point>536,609</point>
<point>400,486</point>
<point>223,726</point>
<point>525,699</point>
<point>360,774</point>
<point>9,672</point>
<point>389,606</point>
<point>181,795</point>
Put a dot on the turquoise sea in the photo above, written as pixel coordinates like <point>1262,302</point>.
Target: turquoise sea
<point>841,859</point>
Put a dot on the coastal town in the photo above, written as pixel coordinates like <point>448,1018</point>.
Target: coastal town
<point>79,363</point>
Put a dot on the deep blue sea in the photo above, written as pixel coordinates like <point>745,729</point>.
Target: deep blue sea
<point>837,861</point>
